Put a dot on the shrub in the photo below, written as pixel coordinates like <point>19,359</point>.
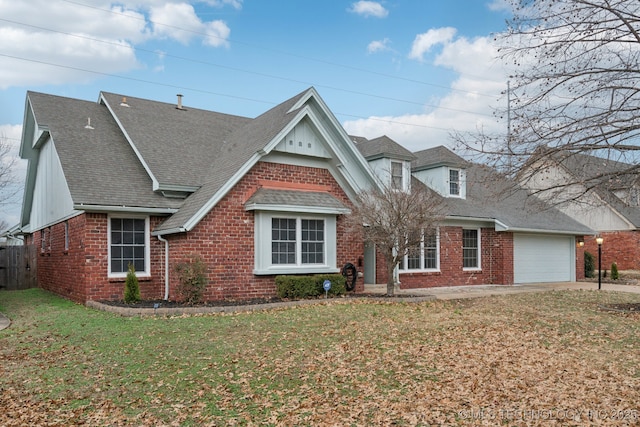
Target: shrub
<point>192,275</point>
<point>614,271</point>
<point>297,287</point>
<point>589,264</point>
<point>131,286</point>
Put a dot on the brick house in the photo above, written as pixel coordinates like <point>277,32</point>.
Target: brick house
<point>126,181</point>
<point>494,232</point>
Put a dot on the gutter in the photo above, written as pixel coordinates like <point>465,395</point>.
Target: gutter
<point>166,267</point>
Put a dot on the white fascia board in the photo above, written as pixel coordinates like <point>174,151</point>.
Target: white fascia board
<point>204,210</point>
<point>355,153</point>
<point>176,187</point>
<point>297,209</point>
<point>146,167</point>
<point>169,231</point>
<point>127,209</point>
<point>560,232</point>
<point>352,152</point>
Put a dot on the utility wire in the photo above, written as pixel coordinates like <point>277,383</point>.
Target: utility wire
<point>186,88</point>
<point>281,52</point>
<point>197,61</point>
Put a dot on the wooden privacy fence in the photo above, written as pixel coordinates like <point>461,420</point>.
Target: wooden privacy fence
<point>18,267</point>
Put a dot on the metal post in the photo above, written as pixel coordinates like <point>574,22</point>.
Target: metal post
<point>599,242</point>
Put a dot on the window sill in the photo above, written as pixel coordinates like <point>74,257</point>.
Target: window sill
<point>145,278</point>
<point>295,270</point>
<point>474,269</point>
<point>418,271</point>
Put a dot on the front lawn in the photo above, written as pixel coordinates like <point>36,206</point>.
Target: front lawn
<point>513,360</point>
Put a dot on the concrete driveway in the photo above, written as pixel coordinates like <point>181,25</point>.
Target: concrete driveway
<point>457,292</point>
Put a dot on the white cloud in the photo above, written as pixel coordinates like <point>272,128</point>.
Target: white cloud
<point>236,4</point>
<point>99,36</point>
<point>179,21</point>
<point>369,8</point>
<point>425,41</point>
<point>468,106</point>
<point>378,46</point>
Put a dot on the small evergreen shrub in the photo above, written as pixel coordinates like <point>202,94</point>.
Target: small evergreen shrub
<point>297,287</point>
<point>192,275</point>
<point>131,286</point>
<point>589,264</point>
<point>614,271</point>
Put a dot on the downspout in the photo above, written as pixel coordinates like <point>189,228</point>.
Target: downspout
<point>166,267</point>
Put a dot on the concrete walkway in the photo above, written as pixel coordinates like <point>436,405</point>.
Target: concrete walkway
<point>475,291</point>
<point>4,322</point>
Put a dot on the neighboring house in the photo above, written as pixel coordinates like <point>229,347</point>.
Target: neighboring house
<point>600,193</point>
<point>494,231</point>
<point>130,181</point>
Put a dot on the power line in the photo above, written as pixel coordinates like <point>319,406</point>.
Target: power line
<point>281,52</point>
<point>197,61</point>
<point>186,88</point>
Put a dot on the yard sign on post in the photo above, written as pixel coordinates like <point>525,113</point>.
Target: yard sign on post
<point>326,285</point>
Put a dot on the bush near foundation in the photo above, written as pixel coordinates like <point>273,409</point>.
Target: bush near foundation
<point>297,287</point>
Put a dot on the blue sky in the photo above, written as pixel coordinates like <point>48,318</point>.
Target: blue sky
<point>414,70</point>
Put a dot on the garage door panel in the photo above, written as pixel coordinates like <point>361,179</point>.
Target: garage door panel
<point>542,258</point>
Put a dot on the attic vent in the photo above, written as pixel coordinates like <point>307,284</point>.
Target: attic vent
<point>124,102</point>
<point>179,106</point>
<point>88,125</point>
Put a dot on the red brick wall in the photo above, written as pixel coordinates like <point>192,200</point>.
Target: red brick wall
<point>225,237</point>
<point>496,259</point>
<point>621,247</point>
<point>81,272</point>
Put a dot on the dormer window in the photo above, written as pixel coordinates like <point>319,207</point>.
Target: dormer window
<point>454,182</point>
<point>397,178</point>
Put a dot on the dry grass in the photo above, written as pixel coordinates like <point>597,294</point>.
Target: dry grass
<point>537,359</point>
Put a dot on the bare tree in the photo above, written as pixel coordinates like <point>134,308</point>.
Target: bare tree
<point>396,221</point>
<point>575,89</point>
<point>8,187</point>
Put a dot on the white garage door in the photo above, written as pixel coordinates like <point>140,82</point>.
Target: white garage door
<point>543,258</point>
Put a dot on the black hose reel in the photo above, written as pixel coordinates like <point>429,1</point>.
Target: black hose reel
<point>350,273</point>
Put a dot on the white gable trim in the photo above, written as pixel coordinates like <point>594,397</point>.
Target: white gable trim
<point>343,153</point>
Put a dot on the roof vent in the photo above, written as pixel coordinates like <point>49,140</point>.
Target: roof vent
<point>88,125</point>
<point>179,106</point>
<point>124,102</point>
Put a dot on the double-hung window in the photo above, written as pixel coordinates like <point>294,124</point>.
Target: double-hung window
<point>297,241</point>
<point>128,245</point>
<point>287,243</point>
<point>454,182</point>
<point>470,249</point>
<point>425,256</point>
<point>397,176</point>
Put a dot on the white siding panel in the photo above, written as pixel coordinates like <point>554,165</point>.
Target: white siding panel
<point>543,258</point>
<point>51,196</point>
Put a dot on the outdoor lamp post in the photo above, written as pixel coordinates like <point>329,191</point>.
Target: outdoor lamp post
<point>599,242</point>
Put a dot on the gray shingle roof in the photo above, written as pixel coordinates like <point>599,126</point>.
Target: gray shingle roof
<point>279,197</point>
<point>239,148</point>
<point>491,196</point>
<point>178,145</point>
<point>381,147</point>
<point>437,156</point>
<point>605,176</point>
<point>99,165</point>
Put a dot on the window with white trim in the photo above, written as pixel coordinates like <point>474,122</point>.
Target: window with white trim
<point>128,244</point>
<point>470,249</point>
<point>454,182</point>
<point>397,175</point>
<point>425,256</point>
<point>288,243</point>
